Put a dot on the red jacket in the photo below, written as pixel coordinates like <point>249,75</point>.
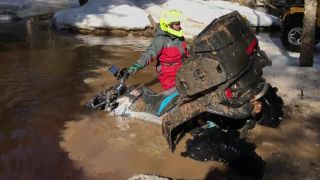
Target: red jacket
<point>169,52</point>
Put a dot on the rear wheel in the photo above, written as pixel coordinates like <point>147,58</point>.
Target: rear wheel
<point>272,109</point>
<point>291,35</point>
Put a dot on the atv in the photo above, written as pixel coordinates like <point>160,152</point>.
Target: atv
<point>221,83</point>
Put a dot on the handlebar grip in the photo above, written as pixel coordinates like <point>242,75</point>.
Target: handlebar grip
<point>123,74</point>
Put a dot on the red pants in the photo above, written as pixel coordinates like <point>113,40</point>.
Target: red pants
<point>167,75</point>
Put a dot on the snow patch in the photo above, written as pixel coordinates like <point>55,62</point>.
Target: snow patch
<point>131,14</point>
<point>106,14</point>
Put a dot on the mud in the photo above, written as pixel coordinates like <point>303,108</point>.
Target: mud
<point>147,32</point>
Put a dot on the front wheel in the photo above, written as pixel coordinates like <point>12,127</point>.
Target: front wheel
<point>291,36</point>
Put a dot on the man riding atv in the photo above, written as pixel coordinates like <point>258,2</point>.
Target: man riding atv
<point>221,82</point>
<point>222,77</point>
<point>168,48</point>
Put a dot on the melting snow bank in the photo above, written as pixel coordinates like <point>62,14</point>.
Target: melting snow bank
<point>133,15</point>
<point>112,14</point>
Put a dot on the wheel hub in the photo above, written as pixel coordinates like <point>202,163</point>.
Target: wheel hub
<point>294,36</point>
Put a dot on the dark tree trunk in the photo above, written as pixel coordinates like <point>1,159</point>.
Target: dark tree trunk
<point>308,33</point>
<point>82,2</point>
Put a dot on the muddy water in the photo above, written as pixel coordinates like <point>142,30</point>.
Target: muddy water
<point>41,86</point>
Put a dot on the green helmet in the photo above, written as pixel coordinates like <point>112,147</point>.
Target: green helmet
<point>169,17</point>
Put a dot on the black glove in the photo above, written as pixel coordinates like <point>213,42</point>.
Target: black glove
<point>125,73</point>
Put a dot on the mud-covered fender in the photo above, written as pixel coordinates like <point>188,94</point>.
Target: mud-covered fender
<point>178,116</point>
<point>173,120</point>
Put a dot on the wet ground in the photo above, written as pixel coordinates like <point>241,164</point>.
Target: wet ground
<point>45,133</point>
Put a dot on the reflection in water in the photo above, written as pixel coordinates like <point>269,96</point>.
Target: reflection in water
<point>41,87</point>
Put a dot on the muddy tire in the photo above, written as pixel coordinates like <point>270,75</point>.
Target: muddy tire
<point>227,147</point>
<point>272,109</point>
<point>291,35</point>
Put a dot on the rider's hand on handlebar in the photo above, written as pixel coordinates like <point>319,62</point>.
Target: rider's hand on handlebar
<point>125,73</point>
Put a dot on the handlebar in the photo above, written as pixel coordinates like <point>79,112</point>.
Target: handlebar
<point>121,74</point>
<point>121,87</point>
